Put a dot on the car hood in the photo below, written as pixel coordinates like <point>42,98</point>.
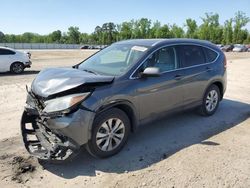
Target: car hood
<point>55,80</point>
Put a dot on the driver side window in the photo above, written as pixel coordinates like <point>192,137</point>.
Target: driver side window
<point>164,59</point>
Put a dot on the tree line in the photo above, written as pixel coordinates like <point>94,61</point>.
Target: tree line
<point>231,32</point>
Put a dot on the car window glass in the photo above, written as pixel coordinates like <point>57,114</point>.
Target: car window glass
<point>114,60</point>
<point>211,55</point>
<point>192,55</point>
<point>164,59</point>
<point>6,52</point>
<point>113,56</point>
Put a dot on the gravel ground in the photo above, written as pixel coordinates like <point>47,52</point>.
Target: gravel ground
<point>184,150</point>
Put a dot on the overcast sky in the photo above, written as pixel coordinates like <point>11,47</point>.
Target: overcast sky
<point>45,16</point>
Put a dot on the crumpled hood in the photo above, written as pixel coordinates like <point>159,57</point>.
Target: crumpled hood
<point>55,80</point>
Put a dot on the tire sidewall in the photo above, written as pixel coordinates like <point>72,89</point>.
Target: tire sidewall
<point>100,118</point>
<point>13,64</point>
<point>204,109</point>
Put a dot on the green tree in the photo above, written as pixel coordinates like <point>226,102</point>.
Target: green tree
<point>27,37</point>
<point>164,32</point>
<point>240,20</point>
<point>210,29</point>
<point>108,33</point>
<point>247,41</point>
<point>55,36</point>
<point>2,37</point>
<point>84,38</point>
<point>155,30</point>
<point>65,38</point>
<point>98,35</point>
<point>176,31</point>
<point>191,28</point>
<point>141,28</point>
<point>73,35</point>
<point>232,31</point>
<point>126,30</point>
<point>228,32</point>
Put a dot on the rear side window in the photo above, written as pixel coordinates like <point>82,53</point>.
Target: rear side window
<point>6,52</point>
<point>191,55</point>
<point>211,55</point>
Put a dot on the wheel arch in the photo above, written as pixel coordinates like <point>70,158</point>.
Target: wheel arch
<point>219,84</point>
<point>126,107</point>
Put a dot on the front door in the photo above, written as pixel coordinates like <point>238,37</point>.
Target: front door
<point>163,93</point>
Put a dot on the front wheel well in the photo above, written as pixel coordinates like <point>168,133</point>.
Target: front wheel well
<point>17,62</point>
<point>128,111</point>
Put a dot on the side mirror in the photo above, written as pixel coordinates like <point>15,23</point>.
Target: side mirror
<point>151,72</point>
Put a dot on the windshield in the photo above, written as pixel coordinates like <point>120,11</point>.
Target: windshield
<point>114,60</point>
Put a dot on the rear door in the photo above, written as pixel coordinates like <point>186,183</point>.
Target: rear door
<point>197,72</point>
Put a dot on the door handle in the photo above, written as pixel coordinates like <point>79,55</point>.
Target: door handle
<point>178,77</point>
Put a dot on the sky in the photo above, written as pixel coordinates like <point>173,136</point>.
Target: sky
<point>46,16</point>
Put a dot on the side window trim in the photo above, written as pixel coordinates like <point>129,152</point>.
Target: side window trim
<point>179,61</point>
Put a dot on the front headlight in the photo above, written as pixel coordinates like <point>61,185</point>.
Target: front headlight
<point>64,104</point>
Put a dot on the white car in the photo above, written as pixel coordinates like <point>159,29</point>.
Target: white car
<point>13,60</point>
<point>239,48</point>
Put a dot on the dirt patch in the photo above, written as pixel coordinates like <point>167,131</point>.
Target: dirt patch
<point>21,168</point>
<point>17,168</point>
<point>235,55</point>
<point>17,165</point>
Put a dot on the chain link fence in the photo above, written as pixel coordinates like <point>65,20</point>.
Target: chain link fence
<point>40,46</point>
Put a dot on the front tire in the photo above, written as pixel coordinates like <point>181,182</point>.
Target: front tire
<point>109,133</point>
<point>210,101</point>
<point>17,68</point>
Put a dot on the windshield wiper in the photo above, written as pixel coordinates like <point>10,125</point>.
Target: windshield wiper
<point>90,71</point>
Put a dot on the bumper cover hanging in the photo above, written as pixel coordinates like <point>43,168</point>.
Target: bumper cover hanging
<point>43,143</point>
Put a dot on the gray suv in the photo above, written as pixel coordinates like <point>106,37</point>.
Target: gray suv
<point>98,102</point>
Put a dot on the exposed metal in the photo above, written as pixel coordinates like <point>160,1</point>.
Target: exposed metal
<point>42,143</point>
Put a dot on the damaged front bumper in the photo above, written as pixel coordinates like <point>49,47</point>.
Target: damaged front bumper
<point>57,138</point>
<point>27,64</point>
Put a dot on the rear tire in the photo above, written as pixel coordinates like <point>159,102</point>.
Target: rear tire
<point>210,101</point>
<point>109,133</point>
<point>17,68</point>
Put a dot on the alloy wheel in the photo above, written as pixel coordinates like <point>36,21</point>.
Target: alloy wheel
<point>17,68</point>
<point>211,100</point>
<point>110,134</point>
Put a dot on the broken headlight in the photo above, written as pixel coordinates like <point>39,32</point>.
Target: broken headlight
<point>64,104</point>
